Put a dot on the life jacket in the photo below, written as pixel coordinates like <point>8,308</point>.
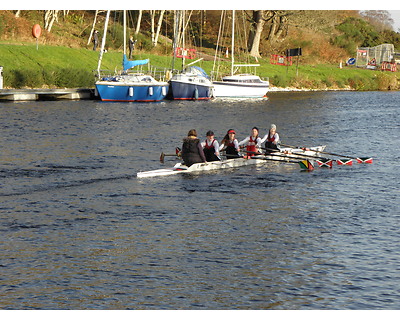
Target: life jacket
<point>230,150</point>
<point>252,146</point>
<point>190,151</point>
<point>269,143</point>
<point>209,151</point>
<point>270,138</point>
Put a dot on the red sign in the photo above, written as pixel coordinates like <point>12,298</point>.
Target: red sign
<point>36,31</point>
<point>281,60</point>
<point>185,53</point>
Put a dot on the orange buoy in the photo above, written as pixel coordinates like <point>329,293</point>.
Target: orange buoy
<point>36,31</point>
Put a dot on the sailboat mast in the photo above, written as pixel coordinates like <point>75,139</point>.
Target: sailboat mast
<point>124,31</point>
<point>103,43</point>
<point>183,38</point>
<point>233,41</point>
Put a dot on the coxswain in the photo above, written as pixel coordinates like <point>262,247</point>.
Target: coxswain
<point>271,140</point>
<point>252,142</point>
<point>192,150</point>
<point>230,145</point>
<point>211,147</point>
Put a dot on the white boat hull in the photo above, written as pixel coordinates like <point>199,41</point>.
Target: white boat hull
<point>240,86</point>
<point>231,163</point>
<point>199,167</point>
<point>229,90</point>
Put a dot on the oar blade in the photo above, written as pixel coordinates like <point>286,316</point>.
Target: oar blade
<point>344,162</point>
<point>306,165</point>
<point>325,163</point>
<point>162,156</point>
<point>364,160</point>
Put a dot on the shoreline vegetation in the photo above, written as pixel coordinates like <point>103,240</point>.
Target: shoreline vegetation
<point>25,66</point>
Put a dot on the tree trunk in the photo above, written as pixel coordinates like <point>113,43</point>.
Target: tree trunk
<point>138,22</point>
<point>255,33</point>
<point>281,27</point>
<point>272,30</point>
<point>152,15</point>
<point>49,17</point>
<point>93,26</point>
<point>18,13</point>
<point>159,27</point>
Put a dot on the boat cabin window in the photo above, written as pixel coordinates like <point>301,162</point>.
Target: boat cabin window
<point>243,80</point>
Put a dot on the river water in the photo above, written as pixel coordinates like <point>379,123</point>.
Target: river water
<point>80,231</point>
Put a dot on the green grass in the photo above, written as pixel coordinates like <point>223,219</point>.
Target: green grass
<point>57,66</point>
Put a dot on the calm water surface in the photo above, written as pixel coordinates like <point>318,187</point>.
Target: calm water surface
<point>80,231</point>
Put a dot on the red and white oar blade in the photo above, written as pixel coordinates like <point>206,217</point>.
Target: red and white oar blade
<point>345,162</point>
<point>364,160</point>
<point>325,163</point>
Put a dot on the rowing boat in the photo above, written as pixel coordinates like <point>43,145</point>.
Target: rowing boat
<point>233,163</point>
<point>197,167</point>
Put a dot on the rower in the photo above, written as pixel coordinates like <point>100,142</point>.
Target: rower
<point>230,145</point>
<point>211,147</point>
<point>271,140</point>
<point>192,150</point>
<point>253,142</point>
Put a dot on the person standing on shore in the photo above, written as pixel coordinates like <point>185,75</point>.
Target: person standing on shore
<point>95,39</point>
<point>131,46</point>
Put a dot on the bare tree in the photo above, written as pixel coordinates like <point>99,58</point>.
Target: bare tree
<point>277,20</point>
<point>138,22</point>
<point>93,26</point>
<point>152,18</point>
<point>159,27</point>
<point>257,26</point>
<point>49,17</point>
<point>379,18</point>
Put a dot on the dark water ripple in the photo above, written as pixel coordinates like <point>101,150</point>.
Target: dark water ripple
<point>80,231</point>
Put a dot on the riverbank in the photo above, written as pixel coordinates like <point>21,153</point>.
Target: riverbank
<point>25,66</point>
<point>292,89</point>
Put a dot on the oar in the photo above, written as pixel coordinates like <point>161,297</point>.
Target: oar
<point>359,159</point>
<point>280,155</point>
<point>304,156</point>
<point>163,155</point>
<point>322,161</point>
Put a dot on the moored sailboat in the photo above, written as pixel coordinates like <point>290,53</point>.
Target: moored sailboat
<point>126,86</point>
<point>192,83</point>
<point>240,85</point>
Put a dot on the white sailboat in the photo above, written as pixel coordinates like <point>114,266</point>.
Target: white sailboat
<point>240,85</point>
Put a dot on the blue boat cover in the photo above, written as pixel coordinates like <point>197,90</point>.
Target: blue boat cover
<point>127,64</point>
<point>199,71</point>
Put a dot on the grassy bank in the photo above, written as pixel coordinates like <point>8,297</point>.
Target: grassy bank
<point>56,66</point>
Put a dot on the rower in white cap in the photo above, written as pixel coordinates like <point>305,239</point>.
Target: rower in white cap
<point>271,139</point>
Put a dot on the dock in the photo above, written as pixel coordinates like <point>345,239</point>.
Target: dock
<point>46,94</point>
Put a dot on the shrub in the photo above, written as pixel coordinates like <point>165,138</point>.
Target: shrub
<point>362,83</point>
<point>280,80</point>
<point>68,78</point>
<point>387,81</point>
